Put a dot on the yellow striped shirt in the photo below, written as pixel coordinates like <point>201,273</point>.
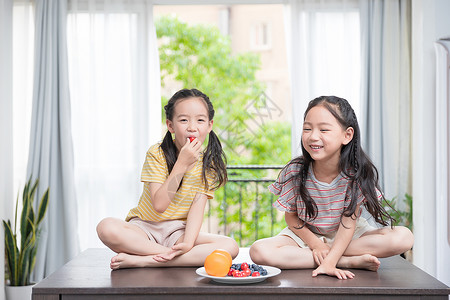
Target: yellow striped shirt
<point>155,170</point>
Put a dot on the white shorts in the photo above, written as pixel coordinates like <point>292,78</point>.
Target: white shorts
<point>362,226</point>
<point>165,233</point>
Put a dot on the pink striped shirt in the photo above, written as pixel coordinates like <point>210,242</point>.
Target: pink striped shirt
<point>331,198</point>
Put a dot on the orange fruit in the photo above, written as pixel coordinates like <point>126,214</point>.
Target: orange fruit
<point>218,263</point>
<point>226,253</point>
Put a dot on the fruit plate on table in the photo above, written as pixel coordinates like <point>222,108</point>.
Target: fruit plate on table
<point>271,271</point>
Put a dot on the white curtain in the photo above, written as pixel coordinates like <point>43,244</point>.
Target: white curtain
<point>386,92</point>
<point>116,105</point>
<point>324,55</point>
<point>23,66</point>
<point>51,154</point>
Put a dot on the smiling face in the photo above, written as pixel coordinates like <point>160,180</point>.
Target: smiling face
<point>323,136</point>
<point>190,119</point>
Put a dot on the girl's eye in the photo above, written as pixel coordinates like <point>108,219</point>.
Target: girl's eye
<point>183,120</point>
<point>324,130</point>
<point>306,129</point>
<point>201,120</point>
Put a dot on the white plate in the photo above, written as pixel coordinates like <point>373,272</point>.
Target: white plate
<point>271,271</point>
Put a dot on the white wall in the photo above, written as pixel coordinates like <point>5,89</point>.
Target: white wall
<point>430,21</point>
<point>6,173</point>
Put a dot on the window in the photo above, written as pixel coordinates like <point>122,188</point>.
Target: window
<point>260,36</point>
<point>23,65</point>
<point>250,29</point>
<point>114,85</point>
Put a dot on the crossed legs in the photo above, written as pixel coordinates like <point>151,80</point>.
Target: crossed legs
<point>362,253</point>
<point>135,249</point>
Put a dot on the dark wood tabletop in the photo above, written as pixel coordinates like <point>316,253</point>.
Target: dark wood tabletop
<point>88,276</point>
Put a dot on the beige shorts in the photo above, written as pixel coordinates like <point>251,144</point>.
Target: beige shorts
<point>165,233</point>
<point>362,226</point>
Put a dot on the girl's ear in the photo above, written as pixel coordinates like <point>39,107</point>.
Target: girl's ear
<point>348,135</point>
<point>170,126</point>
<point>210,126</point>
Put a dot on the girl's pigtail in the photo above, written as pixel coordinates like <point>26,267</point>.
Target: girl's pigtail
<point>365,177</point>
<point>375,207</point>
<point>310,204</point>
<point>300,188</point>
<point>214,159</point>
<point>350,210</point>
<point>355,155</point>
<point>169,150</point>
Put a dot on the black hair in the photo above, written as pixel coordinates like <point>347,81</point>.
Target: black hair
<point>214,158</point>
<point>353,162</point>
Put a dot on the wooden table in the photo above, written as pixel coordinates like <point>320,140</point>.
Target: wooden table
<point>88,276</point>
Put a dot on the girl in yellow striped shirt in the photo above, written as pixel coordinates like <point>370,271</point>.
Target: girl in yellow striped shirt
<point>179,177</point>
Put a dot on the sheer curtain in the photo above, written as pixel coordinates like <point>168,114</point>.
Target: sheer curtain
<point>116,106</point>
<point>50,157</point>
<point>23,66</point>
<point>324,54</point>
<point>386,92</point>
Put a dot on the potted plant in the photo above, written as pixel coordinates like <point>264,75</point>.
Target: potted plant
<point>20,255</point>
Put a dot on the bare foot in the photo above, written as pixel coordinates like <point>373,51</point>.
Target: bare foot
<point>124,260</point>
<point>365,261</point>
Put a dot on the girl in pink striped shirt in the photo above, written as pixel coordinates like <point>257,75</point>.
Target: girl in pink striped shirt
<point>322,194</point>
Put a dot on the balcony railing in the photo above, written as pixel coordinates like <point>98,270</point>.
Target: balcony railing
<point>243,208</point>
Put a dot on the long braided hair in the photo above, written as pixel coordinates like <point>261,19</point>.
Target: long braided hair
<point>213,158</point>
<point>353,162</point>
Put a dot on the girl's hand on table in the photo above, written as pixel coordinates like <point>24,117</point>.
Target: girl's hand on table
<point>332,271</point>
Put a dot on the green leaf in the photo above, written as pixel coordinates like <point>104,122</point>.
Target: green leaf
<point>24,224</point>
<point>33,190</point>
<point>24,258</point>
<point>15,215</point>
<point>12,253</point>
<point>33,253</point>
<point>26,188</point>
<point>42,207</point>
